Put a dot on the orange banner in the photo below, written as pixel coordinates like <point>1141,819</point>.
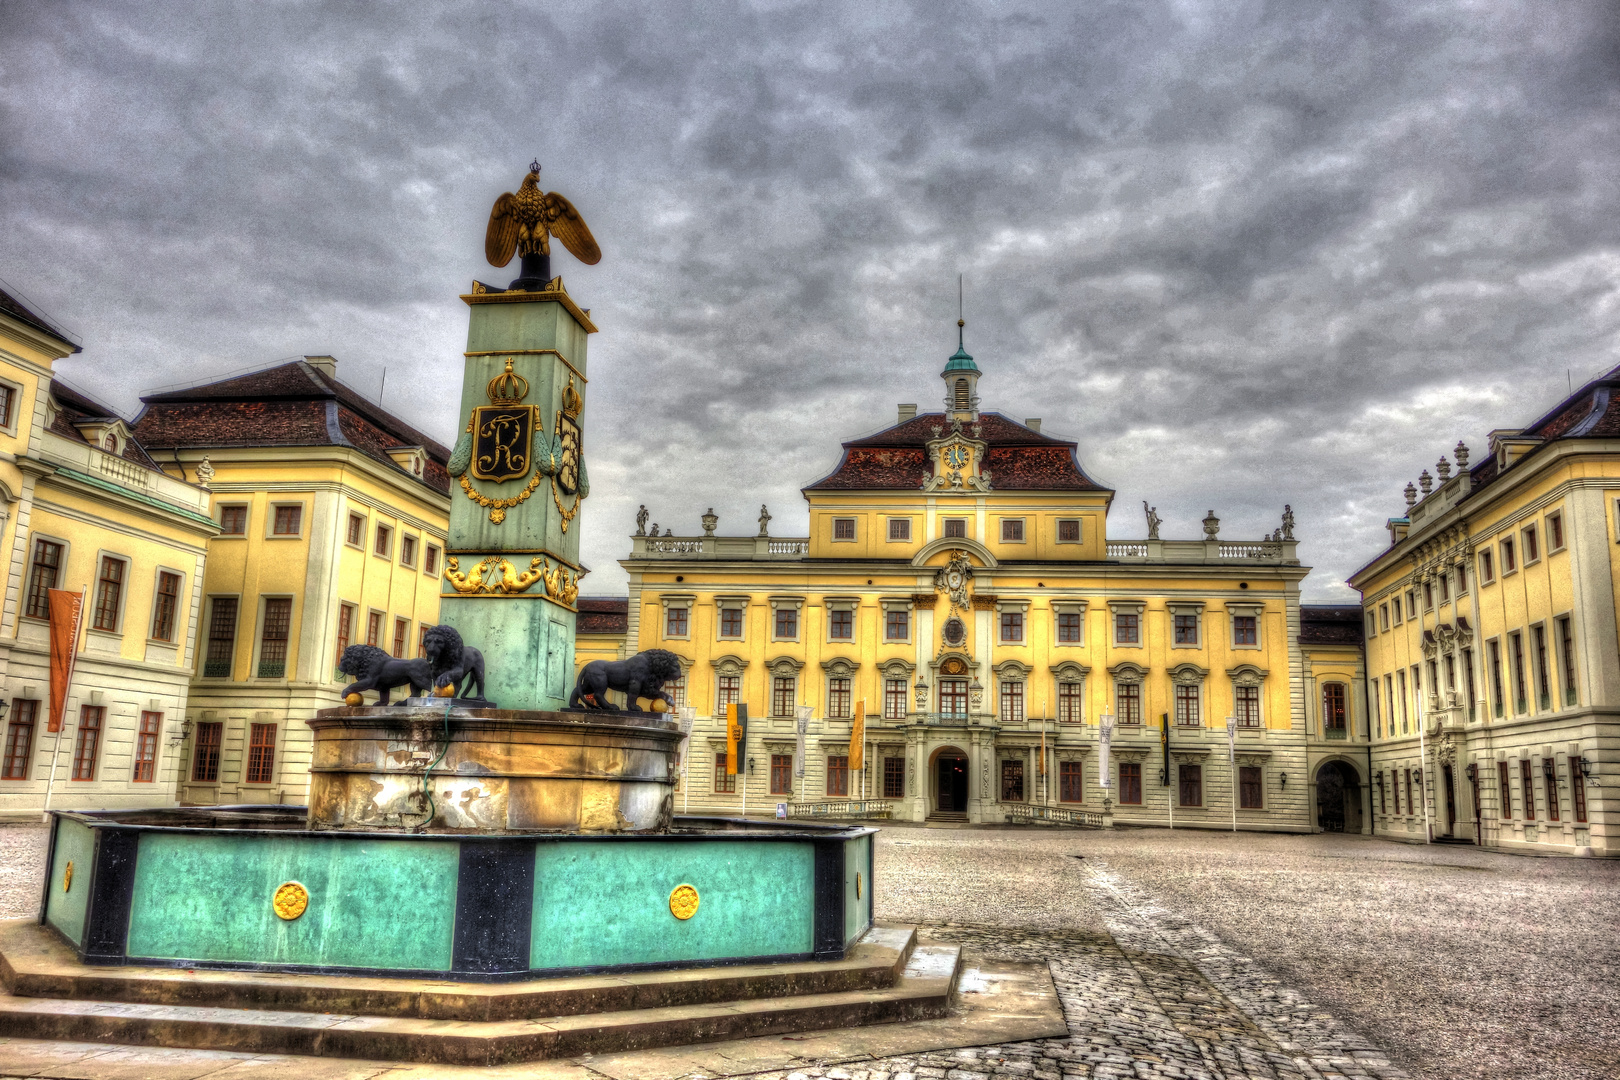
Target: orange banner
<point>857,738</point>
<point>65,608</point>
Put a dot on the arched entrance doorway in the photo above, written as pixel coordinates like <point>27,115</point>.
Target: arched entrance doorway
<point>949,767</point>
<point>1338,798</point>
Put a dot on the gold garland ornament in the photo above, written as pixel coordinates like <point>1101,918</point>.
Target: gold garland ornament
<point>498,507</point>
<point>497,575</point>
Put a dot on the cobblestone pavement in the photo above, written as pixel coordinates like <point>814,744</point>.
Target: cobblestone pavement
<point>1193,955</point>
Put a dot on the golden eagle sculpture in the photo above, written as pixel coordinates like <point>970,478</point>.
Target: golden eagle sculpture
<point>523,221</point>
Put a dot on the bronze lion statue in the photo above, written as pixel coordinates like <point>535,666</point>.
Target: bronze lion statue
<point>643,675</point>
<point>453,661</point>
<point>376,670</point>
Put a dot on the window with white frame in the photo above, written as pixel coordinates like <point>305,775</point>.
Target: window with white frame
<point>1127,624</point>
<point>1187,685</point>
<point>841,620</point>
<point>785,620</point>
<point>894,699</point>
<point>1012,700</point>
<point>843,529</point>
<point>956,527</point>
<point>1069,622</point>
<point>896,620</point>
<point>1555,532</point>
<point>839,703</point>
<point>730,622</point>
<point>1070,702</point>
<point>1068,530</point>
<point>1012,530</point>
<point>1128,694</point>
<point>677,617</point>
<point>1186,625</point>
<point>900,529</point>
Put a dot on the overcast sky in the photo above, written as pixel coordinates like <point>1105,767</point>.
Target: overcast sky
<point>1246,254</point>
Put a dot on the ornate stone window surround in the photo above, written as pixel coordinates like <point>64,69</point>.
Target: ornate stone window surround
<point>783,667</point>
<point>1013,671</point>
<point>1234,610</point>
<point>729,603</point>
<point>789,603</point>
<point>1127,673</point>
<point>1069,607</point>
<point>1016,605</point>
<point>1127,607</point>
<point>675,600</point>
<point>1190,674</point>
<point>1249,675</point>
<point>727,666</point>
<point>1194,608</point>
<point>850,604</point>
<point>897,603</point>
<point>1069,672</point>
<point>839,668</point>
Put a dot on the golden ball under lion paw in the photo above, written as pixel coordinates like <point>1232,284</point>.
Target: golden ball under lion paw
<point>354,700</point>
<point>444,691</point>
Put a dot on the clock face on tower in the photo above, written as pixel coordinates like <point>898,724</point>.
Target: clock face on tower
<point>958,457</point>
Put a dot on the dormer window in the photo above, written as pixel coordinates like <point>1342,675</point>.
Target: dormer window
<point>110,443</point>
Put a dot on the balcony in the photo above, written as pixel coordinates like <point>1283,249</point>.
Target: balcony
<point>727,548</point>
<point>1181,552</point>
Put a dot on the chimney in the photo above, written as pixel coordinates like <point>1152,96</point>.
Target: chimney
<point>326,365</point>
<point>908,412</point>
<point>1034,424</point>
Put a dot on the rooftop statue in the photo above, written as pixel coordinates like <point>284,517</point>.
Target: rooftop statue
<point>522,223</point>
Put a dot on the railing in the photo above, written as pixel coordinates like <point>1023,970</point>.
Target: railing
<point>790,547</point>
<point>674,547</point>
<point>845,808</point>
<point>1335,733</point>
<point>1127,551</point>
<point>125,472</point>
<point>718,547</point>
<point>1242,549</point>
<point>1029,813</point>
<point>1202,551</point>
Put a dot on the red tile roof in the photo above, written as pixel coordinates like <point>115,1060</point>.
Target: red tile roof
<point>603,615</point>
<point>1329,624</point>
<point>292,404</point>
<point>1019,458</point>
<point>76,407</point>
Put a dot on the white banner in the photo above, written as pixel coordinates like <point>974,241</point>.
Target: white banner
<point>1105,737</point>
<point>688,715</point>
<point>798,746</point>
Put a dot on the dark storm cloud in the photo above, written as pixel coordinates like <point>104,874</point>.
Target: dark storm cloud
<point>1245,253</point>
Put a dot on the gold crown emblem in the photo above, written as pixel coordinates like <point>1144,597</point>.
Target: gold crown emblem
<point>571,402</point>
<point>508,388</point>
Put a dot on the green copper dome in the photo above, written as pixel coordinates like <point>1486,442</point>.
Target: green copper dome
<point>961,361</point>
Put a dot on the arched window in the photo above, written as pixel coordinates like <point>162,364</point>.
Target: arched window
<point>1333,710</point>
<point>110,443</point>
<point>963,402</point>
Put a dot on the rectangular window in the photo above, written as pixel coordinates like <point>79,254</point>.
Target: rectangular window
<point>1549,783</point>
<point>374,628</point>
<point>421,646</point>
<point>1246,704</point>
<point>1520,698</point>
<point>1377,708</point>
<point>1187,704</point>
<point>897,625</point>
<point>233,520</point>
<point>146,743</point>
<point>1130,783</point>
<point>1406,723</point>
<point>1487,572</point>
<point>42,578</point>
<point>1428,596</point>
<point>675,622</point>
<point>1186,630</point>
<point>384,544</point>
<point>1244,630</point>
<point>261,753</point>
<point>899,528</point>
<point>781,774</point>
<point>1012,781</point>
<point>1577,786</point>
<point>1543,673</point>
<point>109,593</point>
<point>1012,626</point>
<point>289,519</point>
<point>782,695</point>
<point>724,782</point>
<point>1012,702</point>
<point>1411,807</point>
<point>357,529</point>
<point>1389,696</point>
<point>168,602</point>
<point>88,741</point>
<point>1072,781</point>
<point>430,560</point>
<point>221,638</point>
<point>1383,616</point>
<point>838,775</point>
<point>1532,545</point>
<point>1527,789</point>
<point>1127,628</point>
<point>1383,795</point>
<point>8,405</point>
<point>1192,785</point>
<point>1372,624</point>
<point>205,751</point>
<point>731,619</point>
<point>1505,792</point>
<point>407,551</point>
<point>894,777</point>
<point>1555,532</point>
<point>1068,627</point>
<point>1395,786</point>
<point>1070,710</point>
<point>273,644</point>
<point>1128,703</point>
<point>1333,710</point>
<point>345,634</point>
<point>1462,579</point>
<point>1444,582</point>
<point>1251,793</point>
<point>787,623</point>
<point>1566,657</point>
<point>843,528</point>
<point>1496,677</point>
<point>956,527</point>
<point>19,739</point>
<point>1012,530</point>
<point>838,699</point>
<point>402,637</point>
<point>728,691</point>
<point>1508,565</point>
<point>894,699</point>
<point>841,624</point>
<point>1068,530</point>
<point>1468,680</point>
<point>676,689</point>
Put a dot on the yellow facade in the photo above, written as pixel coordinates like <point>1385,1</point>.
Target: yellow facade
<point>86,510</point>
<point>1491,638</point>
<point>1058,626</point>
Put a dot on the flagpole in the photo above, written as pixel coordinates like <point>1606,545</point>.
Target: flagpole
<point>56,747</point>
<point>1231,764</point>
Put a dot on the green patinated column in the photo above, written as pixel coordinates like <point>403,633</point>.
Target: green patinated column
<point>514,521</point>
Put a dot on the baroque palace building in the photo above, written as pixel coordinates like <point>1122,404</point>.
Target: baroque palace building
<point>83,507</point>
<point>1492,641</point>
<point>959,581</point>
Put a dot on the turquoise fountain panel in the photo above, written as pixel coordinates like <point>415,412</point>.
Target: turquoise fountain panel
<point>857,889</point>
<point>65,908</point>
<point>372,903</point>
<point>604,904</point>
